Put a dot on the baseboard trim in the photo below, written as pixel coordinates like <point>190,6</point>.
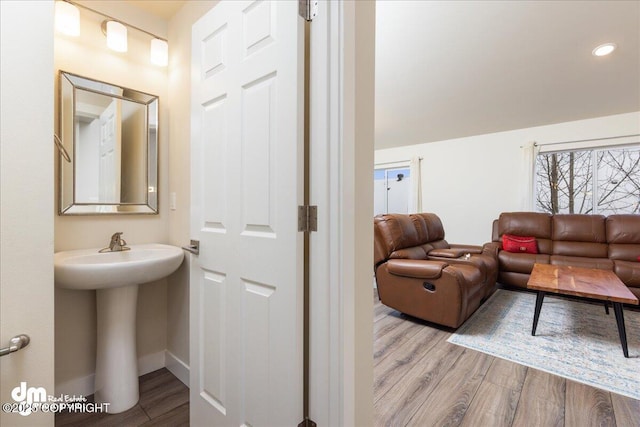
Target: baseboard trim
<point>83,386</point>
<point>151,362</point>
<point>177,367</point>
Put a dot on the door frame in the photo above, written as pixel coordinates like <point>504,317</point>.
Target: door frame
<point>342,158</point>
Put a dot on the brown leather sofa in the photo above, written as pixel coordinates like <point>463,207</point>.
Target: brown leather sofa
<point>420,274</point>
<point>590,241</point>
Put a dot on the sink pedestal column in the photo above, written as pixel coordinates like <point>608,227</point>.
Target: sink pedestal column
<point>116,359</point>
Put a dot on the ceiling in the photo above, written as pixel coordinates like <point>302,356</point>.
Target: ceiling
<point>450,69</point>
<point>164,9</point>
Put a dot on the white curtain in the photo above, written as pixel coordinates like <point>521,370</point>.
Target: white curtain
<point>530,151</point>
<point>415,194</point>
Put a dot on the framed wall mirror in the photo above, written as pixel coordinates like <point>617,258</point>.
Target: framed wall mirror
<point>111,136</point>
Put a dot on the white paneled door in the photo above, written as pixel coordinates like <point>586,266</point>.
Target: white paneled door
<point>246,283</point>
<point>110,153</point>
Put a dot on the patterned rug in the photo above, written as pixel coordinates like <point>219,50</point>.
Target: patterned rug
<point>574,340</point>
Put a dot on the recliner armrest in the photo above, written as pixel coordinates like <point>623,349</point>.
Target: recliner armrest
<point>492,248</point>
<point>418,269</point>
<point>468,249</point>
<point>447,253</point>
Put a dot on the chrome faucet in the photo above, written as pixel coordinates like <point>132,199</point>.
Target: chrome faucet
<point>116,244</point>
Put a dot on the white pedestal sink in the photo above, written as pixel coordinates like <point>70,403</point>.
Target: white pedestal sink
<point>115,276</point>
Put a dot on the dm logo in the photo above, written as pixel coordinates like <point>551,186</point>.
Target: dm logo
<point>30,397</point>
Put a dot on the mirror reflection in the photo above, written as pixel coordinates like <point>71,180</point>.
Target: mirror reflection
<point>111,135</point>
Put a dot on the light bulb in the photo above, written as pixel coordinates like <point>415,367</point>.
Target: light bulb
<point>116,36</point>
<point>67,19</point>
<point>159,53</point>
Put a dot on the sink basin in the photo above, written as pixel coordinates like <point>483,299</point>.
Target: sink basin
<point>88,269</point>
<point>115,276</point>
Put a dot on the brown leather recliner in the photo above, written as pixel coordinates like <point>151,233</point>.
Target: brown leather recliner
<point>419,273</point>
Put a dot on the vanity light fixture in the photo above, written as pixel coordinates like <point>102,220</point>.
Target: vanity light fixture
<point>604,49</point>
<point>159,52</point>
<point>67,19</point>
<point>115,30</point>
<point>116,36</point>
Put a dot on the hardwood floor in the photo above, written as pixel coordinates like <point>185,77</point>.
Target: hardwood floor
<point>422,380</point>
<point>164,401</point>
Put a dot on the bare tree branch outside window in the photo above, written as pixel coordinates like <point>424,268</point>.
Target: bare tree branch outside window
<point>619,181</point>
<point>565,181</point>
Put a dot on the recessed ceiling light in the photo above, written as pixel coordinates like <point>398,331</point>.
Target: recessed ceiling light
<point>604,49</point>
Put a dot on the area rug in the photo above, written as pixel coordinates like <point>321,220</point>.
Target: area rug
<point>575,340</point>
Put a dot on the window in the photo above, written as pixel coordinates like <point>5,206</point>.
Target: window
<point>595,181</point>
<point>391,190</point>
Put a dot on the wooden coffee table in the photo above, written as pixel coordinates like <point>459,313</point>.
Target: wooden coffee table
<point>602,285</point>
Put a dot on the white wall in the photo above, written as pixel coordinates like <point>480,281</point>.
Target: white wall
<point>468,182</point>
<point>26,200</point>
<point>75,321</point>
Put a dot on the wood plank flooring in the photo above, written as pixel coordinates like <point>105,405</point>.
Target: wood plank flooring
<point>422,380</point>
<point>164,401</point>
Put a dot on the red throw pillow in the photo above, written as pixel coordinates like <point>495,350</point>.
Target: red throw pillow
<point>639,259</point>
<point>511,243</point>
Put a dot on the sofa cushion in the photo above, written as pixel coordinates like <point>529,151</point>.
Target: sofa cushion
<point>576,235</point>
<point>520,262</point>
<point>623,229</point>
<point>584,262</point>
<point>513,279</point>
<point>397,232</point>
<point>624,252</point>
<point>439,244</point>
<point>433,224</point>
<point>579,228</point>
<point>628,272</point>
<point>421,227</point>
<point>534,224</point>
<point>580,249</point>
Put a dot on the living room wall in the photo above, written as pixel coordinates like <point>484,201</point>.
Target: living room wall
<point>469,181</point>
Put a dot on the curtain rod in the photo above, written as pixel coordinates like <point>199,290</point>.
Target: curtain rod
<point>584,140</point>
<point>115,19</point>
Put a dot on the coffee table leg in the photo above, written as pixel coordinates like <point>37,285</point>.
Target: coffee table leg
<point>617,307</point>
<point>536,314</point>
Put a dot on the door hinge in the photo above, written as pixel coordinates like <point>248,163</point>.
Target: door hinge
<point>308,9</point>
<point>307,218</point>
